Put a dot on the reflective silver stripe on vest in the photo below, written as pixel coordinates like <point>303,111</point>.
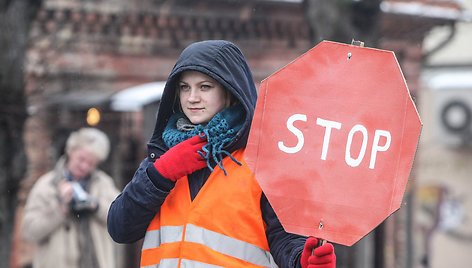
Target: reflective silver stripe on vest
<point>171,263</point>
<point>216,241</point>
<point>229,246</point>
<point>167,234</point>
<point>196,264</point>
<point>150,266</point>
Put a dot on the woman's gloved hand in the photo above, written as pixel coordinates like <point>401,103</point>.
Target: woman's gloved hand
<point>182,159</point>
<point>320,257</point>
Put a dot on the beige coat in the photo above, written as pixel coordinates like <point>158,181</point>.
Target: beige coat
<point>55,232</point>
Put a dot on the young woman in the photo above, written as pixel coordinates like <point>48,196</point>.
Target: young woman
<point>194,199</point>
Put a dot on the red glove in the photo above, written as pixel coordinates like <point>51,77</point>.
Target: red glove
<point>323,256</point>
<point>182,159</point>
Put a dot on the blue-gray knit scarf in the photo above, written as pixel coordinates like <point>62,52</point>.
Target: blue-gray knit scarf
<point>220,131</point>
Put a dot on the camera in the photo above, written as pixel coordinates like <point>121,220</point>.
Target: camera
<point>81,200</point>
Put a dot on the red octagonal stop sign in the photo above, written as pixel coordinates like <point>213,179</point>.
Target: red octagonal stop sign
<point>333,139</point>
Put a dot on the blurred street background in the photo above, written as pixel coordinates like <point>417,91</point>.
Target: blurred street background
<point>69,64</point>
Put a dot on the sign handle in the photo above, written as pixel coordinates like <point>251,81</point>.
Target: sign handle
<point>320,243</point>
<point>357,43</point>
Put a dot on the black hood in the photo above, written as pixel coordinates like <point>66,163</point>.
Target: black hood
<point>225,63</point>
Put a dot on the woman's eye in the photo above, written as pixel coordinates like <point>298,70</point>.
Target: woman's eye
<point>206,86</point>
<point>184,87</point>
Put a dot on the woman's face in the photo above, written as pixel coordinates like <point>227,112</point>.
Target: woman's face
<point>201,97</point>
<point>81,162</point>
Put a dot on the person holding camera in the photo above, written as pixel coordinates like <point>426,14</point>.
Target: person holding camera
<point>66,211</point>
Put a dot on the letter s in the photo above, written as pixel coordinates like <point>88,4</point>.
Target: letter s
<point>297,132</point>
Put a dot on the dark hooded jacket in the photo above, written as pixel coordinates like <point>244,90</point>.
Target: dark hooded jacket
<point>135,207</point>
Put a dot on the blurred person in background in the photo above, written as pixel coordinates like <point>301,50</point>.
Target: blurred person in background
<point>66,211</point>
<point>194,199</point>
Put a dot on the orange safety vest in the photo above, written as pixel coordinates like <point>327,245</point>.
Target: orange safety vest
<point>221,227</point>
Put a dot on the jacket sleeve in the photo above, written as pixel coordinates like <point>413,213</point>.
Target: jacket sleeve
<point>286,248</point>
<point>104,192</point>
<point>134,208</point>
<point>42,214</point>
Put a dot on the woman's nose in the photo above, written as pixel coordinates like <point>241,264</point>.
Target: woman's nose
<point>193,96</point>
